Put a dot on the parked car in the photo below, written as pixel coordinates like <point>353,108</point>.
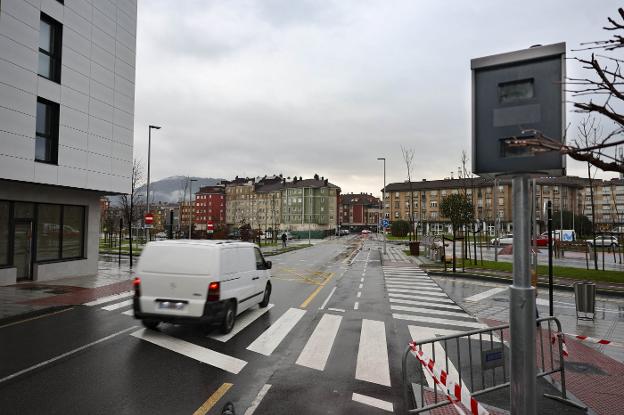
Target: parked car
<point>199,281</point>
<point>343,232</point>
<point>506,239</point>
<point>365,231</point>
<point>604,240</point>
<point>541,241</point>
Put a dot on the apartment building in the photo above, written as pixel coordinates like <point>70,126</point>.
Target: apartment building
<point>492,200</point>
<point>240,202</point>
<point>608,206</point>
<point>67,73</point>
<point>209,208</point>
<point>359,211</point>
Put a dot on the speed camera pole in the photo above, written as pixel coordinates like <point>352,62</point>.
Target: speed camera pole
<point>522,309</point>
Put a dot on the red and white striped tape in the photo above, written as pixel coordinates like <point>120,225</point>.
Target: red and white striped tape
<point>594,340</point>
<point>563,344</point>
<point>455,392</point>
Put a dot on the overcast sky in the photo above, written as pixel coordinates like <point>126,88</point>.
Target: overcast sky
<point>300,87</point>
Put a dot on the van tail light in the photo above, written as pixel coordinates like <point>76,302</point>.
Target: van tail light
<point>214,291</point>
<point>137,286</point>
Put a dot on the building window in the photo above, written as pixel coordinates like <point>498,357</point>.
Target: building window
<point>48,232</point>
<point>73,230</point>
<point>46,143</point>
<point>4,232</point>
<point>50,38</point>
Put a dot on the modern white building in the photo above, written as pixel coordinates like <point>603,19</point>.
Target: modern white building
<point>67,74</point>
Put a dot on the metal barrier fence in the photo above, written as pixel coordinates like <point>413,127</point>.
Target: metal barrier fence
<point>490,372</point>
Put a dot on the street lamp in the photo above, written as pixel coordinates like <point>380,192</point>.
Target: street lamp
<point>191,206</point>
<point>383,203</point>
<point>149,151</point>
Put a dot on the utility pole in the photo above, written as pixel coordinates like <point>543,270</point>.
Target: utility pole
<point>384,200</point>
<point>149,152</point>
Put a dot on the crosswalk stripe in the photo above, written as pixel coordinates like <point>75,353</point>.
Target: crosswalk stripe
<point>425,288</point>
<point>316,351</point>
<point>268,341</point>
<point>110,298</point>
<point>242,322</point>
<point>419,291</point>
<point>128,312</point>
<point>372,359</point>
<point>433,320</point>
<point>447,332</point>
<point>117,305</point>
<point>410,281</point>
<point>485,294</point>
<point>370,401</point>
<point>447,307</point>
<point>422,297</point>
<point>421,279</point>
<point>201,354</point>
<point>428,311</point>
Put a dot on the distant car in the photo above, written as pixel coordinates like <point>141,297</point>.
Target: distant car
<point>506,239</point>
<point>344,232</point>
<point>604,240</point>
<point>541,241</point>
<point>365,231</point>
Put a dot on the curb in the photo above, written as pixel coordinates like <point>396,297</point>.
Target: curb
<point>500,278</point>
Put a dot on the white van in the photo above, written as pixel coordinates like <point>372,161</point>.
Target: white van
<point>199,281</point>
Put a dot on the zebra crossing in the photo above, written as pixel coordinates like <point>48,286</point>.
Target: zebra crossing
<point>371,360</point>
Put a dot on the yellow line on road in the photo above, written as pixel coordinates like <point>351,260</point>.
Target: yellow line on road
<point>214,398</point>
<point>315,292</point>
<point>36,317</point>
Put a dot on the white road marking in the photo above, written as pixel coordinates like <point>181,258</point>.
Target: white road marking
<point>201,354</point>
<point>372,359</point>
<point>428,311</point>
<point>327,299</point>
<point>339,310</point>
<point>242,321</point>
<point>361,286</point>
<point>446,332</point>
<point>414,280</point>
<point>117,305</point>
<point>370,401</point>
<point>445,321</point>
<point>422,297</point>
<point>61,356</point>
<point>425,304</point>
<point>316,351</point>
<point>425,288</point>
<point>361,279</point>
<point>268,341</point>
<point>259,397</point>
<point>486,294</point>
<point>128,312</point>
<point>419,291</point>
<point>359,294</point>
<point>356,305</point>
<point>110,298</point>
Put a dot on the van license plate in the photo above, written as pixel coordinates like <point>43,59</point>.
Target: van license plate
<point>171,305</point>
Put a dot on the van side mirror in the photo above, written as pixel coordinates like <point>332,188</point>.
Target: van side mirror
<point>269,265</point>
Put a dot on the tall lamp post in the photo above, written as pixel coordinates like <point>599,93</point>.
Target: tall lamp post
<point>191,206</point>
<point>383,203</point>
<point>149,152</point>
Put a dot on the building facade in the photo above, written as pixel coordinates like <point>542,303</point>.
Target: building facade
<point>608,206</point>
<point>359,211</point>
<point>67,75</point>
<point>209,208</point>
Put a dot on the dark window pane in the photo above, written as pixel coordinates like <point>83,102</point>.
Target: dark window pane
<point>48,232</point>
<point>73,222</point>
<point>510,92</point>
<point>42,149</point>
<point>45,36</point>
<point>24,210</point>
<point>4,233</point>
<point>42,119</point>
<point>44,65</point>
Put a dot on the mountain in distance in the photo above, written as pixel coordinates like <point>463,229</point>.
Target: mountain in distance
<point>170,189</point>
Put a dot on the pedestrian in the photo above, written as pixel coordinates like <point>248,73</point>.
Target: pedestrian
<point>284,238</point>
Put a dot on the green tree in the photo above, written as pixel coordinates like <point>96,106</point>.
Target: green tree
<point>400,228</point>
<point>458,209</point>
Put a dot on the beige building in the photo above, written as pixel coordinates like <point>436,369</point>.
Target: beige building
<point>608,203</point>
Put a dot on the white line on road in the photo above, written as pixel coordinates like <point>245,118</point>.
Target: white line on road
<point>361,279</point>
<point>434,320</point>
<point>422,297</point>
<point>316,351</point>
<point>446,332</point>
<point>414,280</point>
<point>128,312</point>
<point>327,299</point>
<point>259,397</point>
<point>428,311</point>
<point>339,310</point>
<point>201,354</point>
<point>370,401</point>
<point>372,359</point>
<point>485,294</point>
<point>426,304</point>
<point>268,341</point>
<point>71,352</point>
<point>361,286</point>
<point>419,291</point>
<point>427,288</point>
<point>117,305</point>
<point>241,322</point>
<point>114,297</point>
<point>359,294</point>
<point>356,305</point>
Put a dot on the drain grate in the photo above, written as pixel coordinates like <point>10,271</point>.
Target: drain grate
<point>587,368</point>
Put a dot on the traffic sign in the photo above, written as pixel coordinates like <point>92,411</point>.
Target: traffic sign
<point>149,218</point>
<point>385,223</point>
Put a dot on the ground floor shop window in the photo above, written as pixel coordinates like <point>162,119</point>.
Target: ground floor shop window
<point>48,232</point>
<point>5,210</point>
<point>73,231</point>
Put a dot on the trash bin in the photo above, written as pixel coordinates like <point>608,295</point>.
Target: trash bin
<point>585,300</point>
<point>414,248</point>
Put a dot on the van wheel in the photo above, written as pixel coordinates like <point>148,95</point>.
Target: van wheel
<point>267,295</point>
<point>228,319</point>
<point>150,324</point>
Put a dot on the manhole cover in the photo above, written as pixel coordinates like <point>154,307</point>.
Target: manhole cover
<point>581,367</point>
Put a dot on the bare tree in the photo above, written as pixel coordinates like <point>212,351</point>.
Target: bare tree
<point>131,200</point>
<point>604,88</point>
<point>408,157</point>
